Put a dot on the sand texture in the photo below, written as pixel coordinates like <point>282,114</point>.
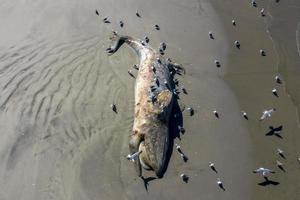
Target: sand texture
<point>60,139</point>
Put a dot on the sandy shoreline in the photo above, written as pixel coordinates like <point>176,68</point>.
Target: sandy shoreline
<point>61,140</point>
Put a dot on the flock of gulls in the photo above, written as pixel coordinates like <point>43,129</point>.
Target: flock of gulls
<point>264,172</point>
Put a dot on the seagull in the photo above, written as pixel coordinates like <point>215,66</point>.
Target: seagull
<point>105,20</point>
<point>210,34</point>
<point>217,63</point>
<point>253,2</point>
<point>233,23</point>
<point>220,183</point>
<point>137,14</point>
<point>181,129</point>
<point>267,114</point>
<point>130,73</point>
<point>136,67</point>
<point>244,115</point>
<point>134,156</point>
<point>216,114</point>
<point>121,24</point>
<point>156,27</point>
<point>237,44</point>
<point>191,110</point>
<point>279,164</point>
<point>153,69</point>
<point>97,13</point>
<point>262,52</point>
<point>263,171</point>
<point>158,60</point>
<point>178,148</point>
<point>184,157</point>
<point>113,107</point>
<point>212,166</point>
<point>280,152</point>
<point>274,91</point>
<point>146,39</point>
<point>183,90</point>
<point>184,177</point>
<point>262,12</point>
<point>278,79</point>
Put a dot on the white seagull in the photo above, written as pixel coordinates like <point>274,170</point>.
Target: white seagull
<point>267,114</point>
<point>263,171</point>
<point>134,156</point>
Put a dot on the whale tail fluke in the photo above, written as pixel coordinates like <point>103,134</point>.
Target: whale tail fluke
<point>117,42</point>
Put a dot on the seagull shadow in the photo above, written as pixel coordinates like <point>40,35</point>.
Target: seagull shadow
<point>147,180</point>
<point>268,182</point>
<point>214,169</point>
<point>275,131</point>
<point>281,168</point>
<point>221,186</point>
<point>282,155</point>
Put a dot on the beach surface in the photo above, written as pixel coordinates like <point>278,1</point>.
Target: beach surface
<point>61,140</point>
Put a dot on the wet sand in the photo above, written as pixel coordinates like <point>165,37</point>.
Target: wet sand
<point>251,77</point>
<point>61,140</point>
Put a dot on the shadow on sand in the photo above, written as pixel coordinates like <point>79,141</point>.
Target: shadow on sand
<point>268,182</point>
<point>275,131</point>
<point>147,180</point>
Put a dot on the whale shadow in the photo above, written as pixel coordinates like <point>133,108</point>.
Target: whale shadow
<point>176,120</point>
<point>174,131</point>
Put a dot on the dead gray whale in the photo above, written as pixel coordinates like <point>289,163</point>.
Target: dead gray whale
<point>153,104</point>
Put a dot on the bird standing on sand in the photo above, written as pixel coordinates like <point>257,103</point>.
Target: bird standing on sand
<point>279,164</point>
<point>280,152</point>
<point>218,64</point>
<point>121,24</point>
<point>113,107</point>
<point>233,23</point>
<point>262,52</point>
<point>263,171</point>
<point>244,115</point>
<point>262,12</point>
<point>181,129</point>
<point>267,114</point>
<point>136,67</point>
<point>178,148</point>
<point>146,39</point>
<point>220,183</point>
<point>253,3</point>
<point>97,13</point>
<point>184,177</point>
<point>278,79</point>
<point>274,91</point>
<point>237,44</point>
<point>212,166</point>
<point>216,114</point>
<point>133,157</point>
<point>156,27</point>
<point>183,90</point>
<point>191,111</point>
<point>210,34</point>
<point>130,73</point>
<point>137,14</point>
